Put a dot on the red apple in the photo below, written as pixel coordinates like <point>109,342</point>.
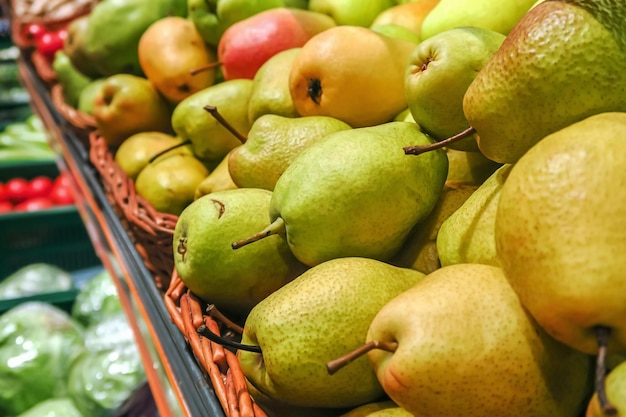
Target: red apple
<point>247,44</point>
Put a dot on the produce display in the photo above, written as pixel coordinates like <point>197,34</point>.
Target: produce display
<point>39,193</point>
<point>406,208</point>
<point>25,141</point>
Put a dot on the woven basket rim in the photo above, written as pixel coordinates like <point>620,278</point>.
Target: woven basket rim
<point>43,67</point>
<point>188,312</point>
<point>75,117</point>
<point>19,21</point>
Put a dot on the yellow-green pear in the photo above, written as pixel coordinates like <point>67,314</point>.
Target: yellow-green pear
<point>273,143</point>
<point>332,76</point>
<point>439,72</point>
<point>382,408</point>
<point>218,179</point>
<point>468,234</point>
<point>169,183</point>
<point>394,30</point>
<point>314,318</point>
<point>500,16</point>
<point>349,12</point>
<point>469,167</point>
<point>460,343</point>
<point>270,88</point>
<point>615,386</point>
<point>408,15</point>
<point>560,232</point>
<point>234,281</point>
<point>518,99</point>
<point>210,140</point>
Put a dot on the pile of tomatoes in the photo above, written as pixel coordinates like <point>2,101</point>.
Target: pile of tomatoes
<point>39,193</point>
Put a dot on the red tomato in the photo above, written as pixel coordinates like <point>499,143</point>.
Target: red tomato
<point>6,207</point>
<point>16,189</point>
<point>61,192</point>
<point>33,31</point>
<point>39,186</point>
<point>3,193</point>
<point>35,204</point>
<point>50,42</point>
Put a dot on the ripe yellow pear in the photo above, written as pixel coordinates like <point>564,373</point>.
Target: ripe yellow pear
<point>351,73</point>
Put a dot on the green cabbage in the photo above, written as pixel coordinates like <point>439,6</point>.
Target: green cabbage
<point>96,300</point>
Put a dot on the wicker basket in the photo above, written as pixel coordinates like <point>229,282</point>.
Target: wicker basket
<point>43,67</point>
<point>82,123</point>
<point>151,231</point>
<point>221,365</point>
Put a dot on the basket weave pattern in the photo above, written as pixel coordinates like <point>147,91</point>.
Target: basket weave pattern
<point>82,123</point>
<point>152,232</point>
<point>188,313</point>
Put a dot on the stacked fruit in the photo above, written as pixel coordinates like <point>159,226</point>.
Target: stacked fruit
<point>431,188</point>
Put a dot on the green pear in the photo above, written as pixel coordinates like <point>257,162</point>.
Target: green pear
<point>210,140</point>
<point>273,143</point>
<point>499,16</point>
<point>351,12</point>
<point>615,393</point>
<point>218,179</point>
<point>517,99</point>
<point>468,234</point>
<point>136,152</point>
<point>469,167</point>
<point>270,88</point>
<point>559,228</point>
<point>169,183</point>
<point>394,30</point>
<point>409,15</point>
<point>126,104</point>
<point>234,281</point>
<point>439,72</point>
<point>459,342</point>
<point>355,193</point>
<point>115,27</point>
<point>314,318</point>
<point>88,94</point>
<point>377,408</point>
<point>419,251</point>
<point>74,47</point>
<point>71,80</point>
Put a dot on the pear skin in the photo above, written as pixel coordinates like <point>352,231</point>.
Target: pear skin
<point>331,76</point>
<point>346,12</point>
<point>615,385</point>
<point>467,318</point>
<point>516,99</point>
<point>469,167</point>
<point>370,409</point>
<point>169,52</point>
<point>409,15</point>
<point>218,179</point>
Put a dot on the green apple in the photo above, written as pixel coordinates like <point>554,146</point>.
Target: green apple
<point>439,72</point>
<point>351,12</point>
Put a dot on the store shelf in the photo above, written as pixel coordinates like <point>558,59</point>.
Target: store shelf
<point>178,384</point>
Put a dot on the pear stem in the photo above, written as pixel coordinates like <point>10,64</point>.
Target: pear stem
<point>420,149</point>
<point>171,148</point>
<point>335,365</point>
<point>215,313</point>
<point>276,227</point>
<point>203,330</point>
<point>602,335</point>
<point>206,67</point>
<point>215,113</point>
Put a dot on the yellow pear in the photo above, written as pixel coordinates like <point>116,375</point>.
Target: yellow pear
<point>408,15</point>
<point>219,179</point>
<point>351,73</point>
<point>175,58</point>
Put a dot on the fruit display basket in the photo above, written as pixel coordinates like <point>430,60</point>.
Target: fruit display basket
<point>43,67</point>
<point>151,231</point>
<point>188,312</point>
<point>82,123</point>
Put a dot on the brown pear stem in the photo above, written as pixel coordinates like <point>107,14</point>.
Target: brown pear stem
<point>203,330</point>
<point>215,113</point>
<point>335,365</point>
<point>276,227</point>
<point>603,335</point>
<point>206,67</point>
<point>420,149</point>
<point>216,314</point>
<point>171,148</point>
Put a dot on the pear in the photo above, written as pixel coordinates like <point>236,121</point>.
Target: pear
<point>234,281</point>
<point>419,251</point>
<point>408,15</point>
<point>210,140</point>
<point>74,47</point>
<point>270,88</point>
<point>468,234</point>
<point>380,408</point>
<point>517,99</point>
<point>560,232</point>
<point>169,182</point>
<point>351,13</point>
<point>393,30</point>
<point>87,96</point>
<point>323,312</point>
<point>331,76</point>
<point>354,193</point>
<point>218,179</point>
<point>615,393</point>
<point>273,143</point>
<point>469,167</point>
<point>135,153</point>
<point>439,72</point>
<point>459,342</point>
<point>498,16</point>
<point>170,50</point>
